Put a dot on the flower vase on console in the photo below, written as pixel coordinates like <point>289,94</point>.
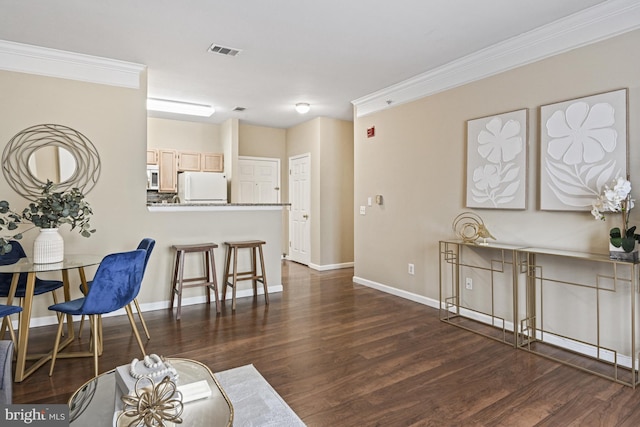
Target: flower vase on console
<point>616,197</point>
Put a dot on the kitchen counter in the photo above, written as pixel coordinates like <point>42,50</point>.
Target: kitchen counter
<point>198,207</point>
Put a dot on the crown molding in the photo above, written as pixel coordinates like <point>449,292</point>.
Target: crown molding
<point>597,23</point>
<point>24,58</point>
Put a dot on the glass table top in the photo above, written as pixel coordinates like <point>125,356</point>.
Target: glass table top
<point>26,265</point>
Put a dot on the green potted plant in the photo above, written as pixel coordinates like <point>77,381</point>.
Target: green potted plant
<point>49,212</point>
<point>9,220</point>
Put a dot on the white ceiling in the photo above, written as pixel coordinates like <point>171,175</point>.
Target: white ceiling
<point>324,52</point>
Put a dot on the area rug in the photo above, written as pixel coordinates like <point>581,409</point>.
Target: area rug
<point>255,402</point>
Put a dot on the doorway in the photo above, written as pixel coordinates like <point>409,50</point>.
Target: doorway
<point>300,199</point>
<point>258,180</point>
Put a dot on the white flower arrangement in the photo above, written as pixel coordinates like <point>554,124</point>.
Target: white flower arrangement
<point>616,197</point>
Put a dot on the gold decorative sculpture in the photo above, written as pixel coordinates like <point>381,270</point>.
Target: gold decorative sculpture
<point>469,227</point>
<point>152,405</point>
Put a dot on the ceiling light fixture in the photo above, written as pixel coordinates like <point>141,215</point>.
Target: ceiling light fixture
<point>179,107</point>
<point>303,107</point>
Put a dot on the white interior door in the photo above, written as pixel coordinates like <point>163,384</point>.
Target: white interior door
<point>300,199</point>
<point>258,180</point>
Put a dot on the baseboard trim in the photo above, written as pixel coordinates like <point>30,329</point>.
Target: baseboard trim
<point>397,292</point>
<point>328,267</point>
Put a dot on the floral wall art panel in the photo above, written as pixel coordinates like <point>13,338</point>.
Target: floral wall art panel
<point>583,145</point>
<point>497,161</point>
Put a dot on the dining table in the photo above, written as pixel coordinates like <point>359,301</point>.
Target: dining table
<point>26,265</point>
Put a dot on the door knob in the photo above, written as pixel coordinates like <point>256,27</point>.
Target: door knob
<point>305,216</point>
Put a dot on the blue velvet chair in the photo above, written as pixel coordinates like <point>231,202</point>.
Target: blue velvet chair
<point>115,284</point>
<point>42,286</point>
<point>147,244</point>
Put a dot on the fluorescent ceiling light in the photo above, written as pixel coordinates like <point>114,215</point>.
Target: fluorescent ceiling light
<point>178,107</point>
<point>303,107</point>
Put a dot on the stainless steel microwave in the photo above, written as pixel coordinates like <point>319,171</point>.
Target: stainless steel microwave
<point>153,177</point>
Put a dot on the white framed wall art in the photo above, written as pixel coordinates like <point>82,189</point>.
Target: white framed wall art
<point>497,161</point>
<point>583,145</point>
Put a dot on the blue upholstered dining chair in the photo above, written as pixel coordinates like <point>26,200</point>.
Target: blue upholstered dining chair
<point>115,284</point>
<point>147,244</point>
<point>42,286</point>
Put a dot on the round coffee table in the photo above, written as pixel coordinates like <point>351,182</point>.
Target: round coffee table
<point>94,404</point>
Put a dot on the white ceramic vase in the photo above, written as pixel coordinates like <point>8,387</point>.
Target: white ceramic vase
<point>48,247</point>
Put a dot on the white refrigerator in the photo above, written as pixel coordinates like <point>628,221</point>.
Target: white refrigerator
<point>202,187</point>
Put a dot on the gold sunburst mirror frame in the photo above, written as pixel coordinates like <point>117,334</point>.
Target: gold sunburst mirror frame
<point>18,159</point>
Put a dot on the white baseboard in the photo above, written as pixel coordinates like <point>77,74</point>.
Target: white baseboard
<point>151,306</point>
<point>327,267</point>
<point>397,292</point>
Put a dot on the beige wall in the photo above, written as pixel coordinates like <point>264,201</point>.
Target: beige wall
<point>115,120</point>
<point>229,137</point>
<point>262,141</point>
<point>183,136</point>
<point>336,191</point>
<point>417,162</point>
<point>330,145</point>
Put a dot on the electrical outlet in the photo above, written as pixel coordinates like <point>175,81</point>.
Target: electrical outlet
<point>468,283</point>
<point>363,210</point>
<point>411,269</point>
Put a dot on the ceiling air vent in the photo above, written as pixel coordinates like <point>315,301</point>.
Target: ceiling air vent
<point>226,51</point>
<point>239,108</point>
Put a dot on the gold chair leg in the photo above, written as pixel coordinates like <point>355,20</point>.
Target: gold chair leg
<point>56,346</point>
<point>144,324</point>
<point>94,333</point>
<point>99,329</point>
<point>11,332</point>
<point>5,323</point>
<point>134,328</point>
<point>81,326</point>
<point>58,314</point>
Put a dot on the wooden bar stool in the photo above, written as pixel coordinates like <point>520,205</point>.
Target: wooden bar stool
<point>209,279</point>
<point>236,276</point>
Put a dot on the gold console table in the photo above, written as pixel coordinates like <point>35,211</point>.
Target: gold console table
<point>581,311</point>
<point>490,307</point>
<point>572,307</point>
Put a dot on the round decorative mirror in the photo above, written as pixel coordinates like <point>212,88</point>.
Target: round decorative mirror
<point>52,163</point>
<point>50,152</point>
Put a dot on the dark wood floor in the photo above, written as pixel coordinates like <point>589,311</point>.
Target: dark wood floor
<point>345,355</point>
